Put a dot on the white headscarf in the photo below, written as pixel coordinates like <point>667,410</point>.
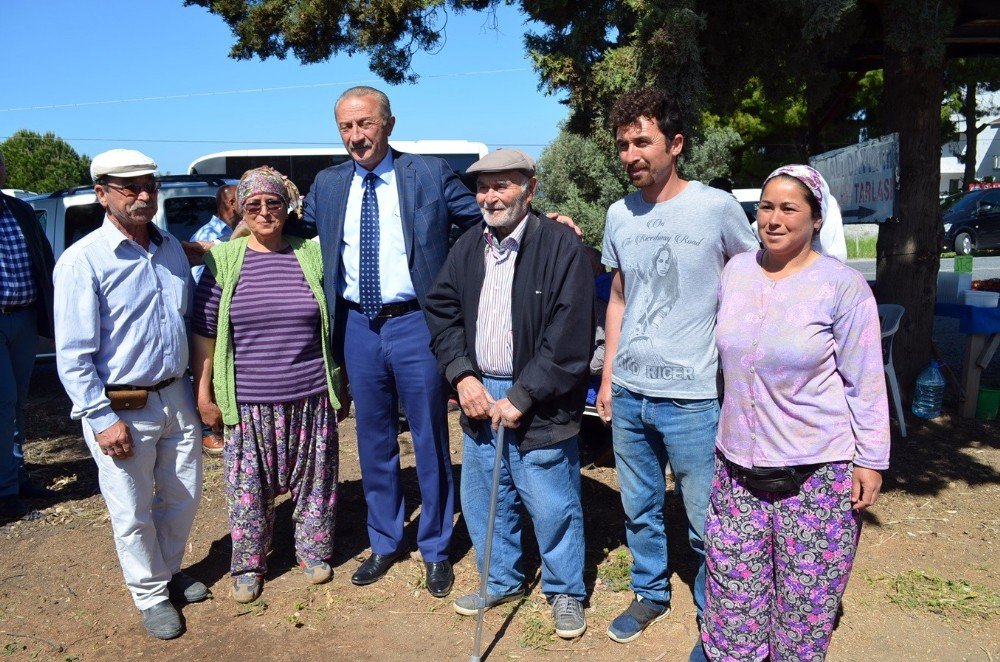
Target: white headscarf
<point>830,238</point>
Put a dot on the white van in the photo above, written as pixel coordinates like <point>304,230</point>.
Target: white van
<point>301,164</point>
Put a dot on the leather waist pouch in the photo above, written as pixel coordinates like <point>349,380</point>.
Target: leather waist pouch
<point>776,479</point>
<point>131,399</point>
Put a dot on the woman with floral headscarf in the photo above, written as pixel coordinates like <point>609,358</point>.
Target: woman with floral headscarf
<point>803,432</point>
<point>263,370</point>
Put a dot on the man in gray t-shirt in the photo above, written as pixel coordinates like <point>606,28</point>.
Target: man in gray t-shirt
<point>667,244</point>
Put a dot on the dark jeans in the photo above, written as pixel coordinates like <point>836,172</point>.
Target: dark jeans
<point>18,341</point>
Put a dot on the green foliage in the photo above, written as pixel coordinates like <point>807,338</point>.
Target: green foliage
<point>917,589</point>
<point>388,31</point>
<point>861,248</point>
<point>538,631</point>
<point>581,176</point>
<point>43,163</point>
<point>616,571</point>
<point>711,154</point>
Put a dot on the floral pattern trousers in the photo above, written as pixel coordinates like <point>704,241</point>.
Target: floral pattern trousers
<point>777,565</point>
<point>274,449</point>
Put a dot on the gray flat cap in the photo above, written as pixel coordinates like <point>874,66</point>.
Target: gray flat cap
<point>121,163</point>
<point>503,160</point>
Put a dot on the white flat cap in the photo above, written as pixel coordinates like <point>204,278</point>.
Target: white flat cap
<point>503,160</point>
<point>121,163</point>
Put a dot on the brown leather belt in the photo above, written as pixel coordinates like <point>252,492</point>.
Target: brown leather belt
<point>389,310</point>
<point>159,386</point>
<point>6,310</point>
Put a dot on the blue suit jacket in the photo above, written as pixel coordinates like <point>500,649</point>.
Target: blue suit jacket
<point>432,198</point>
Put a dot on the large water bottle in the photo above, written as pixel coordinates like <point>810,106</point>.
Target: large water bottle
<point>929,393</point>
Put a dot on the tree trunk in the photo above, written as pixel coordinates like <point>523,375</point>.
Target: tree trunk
<point>909,248</point>
<point>971,133</point>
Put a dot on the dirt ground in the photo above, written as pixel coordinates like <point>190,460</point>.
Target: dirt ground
<point>925,586</point>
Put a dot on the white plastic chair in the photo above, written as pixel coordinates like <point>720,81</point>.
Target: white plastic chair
<point>890,314</point>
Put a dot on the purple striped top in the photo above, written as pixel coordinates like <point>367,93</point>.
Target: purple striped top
<point>276,328</point>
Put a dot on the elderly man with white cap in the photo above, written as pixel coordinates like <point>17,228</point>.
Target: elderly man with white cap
<point>121,295</point>
<point>512,319</point>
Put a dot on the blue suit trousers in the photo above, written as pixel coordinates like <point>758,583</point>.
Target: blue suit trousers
<point>389,362</point>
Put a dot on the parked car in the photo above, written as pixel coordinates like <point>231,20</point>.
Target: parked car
<point>186,202</point>
<point>748,198</point>
<point>18,192</point>
<point>972,221</point>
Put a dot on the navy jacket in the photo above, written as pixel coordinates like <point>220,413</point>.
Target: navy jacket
<point>552,315</point>
<point>432,198</point>
<point>42,262</point>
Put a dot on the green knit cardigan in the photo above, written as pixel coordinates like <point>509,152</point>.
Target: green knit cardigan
<point>225,261</point>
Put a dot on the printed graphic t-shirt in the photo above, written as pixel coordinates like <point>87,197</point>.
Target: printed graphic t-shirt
<point>671,256</point>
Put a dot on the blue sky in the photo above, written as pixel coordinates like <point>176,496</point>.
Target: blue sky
<point>480,86</point>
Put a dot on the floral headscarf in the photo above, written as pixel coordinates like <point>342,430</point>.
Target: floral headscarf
<point>830,239</point>
<point>266,179</point>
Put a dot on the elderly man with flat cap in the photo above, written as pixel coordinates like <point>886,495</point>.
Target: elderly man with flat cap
<point>122,293</point>
<point>512,319</point>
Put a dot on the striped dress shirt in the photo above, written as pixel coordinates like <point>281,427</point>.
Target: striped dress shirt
<point>494,343</point>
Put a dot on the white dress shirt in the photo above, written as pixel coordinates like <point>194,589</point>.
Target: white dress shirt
<point>119,314</point>
<point>394,276</point>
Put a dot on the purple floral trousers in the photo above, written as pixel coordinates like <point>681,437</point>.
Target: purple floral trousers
<point>777,565</point>
<point>274,449</point>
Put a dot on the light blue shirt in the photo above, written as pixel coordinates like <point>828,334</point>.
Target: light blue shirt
<point>394,276</point>
<point>215,230</point>
<point>119,314</point>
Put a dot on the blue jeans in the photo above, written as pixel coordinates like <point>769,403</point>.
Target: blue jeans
<point>648,433</point>
<point>546,482</point>
<point>18,342</point>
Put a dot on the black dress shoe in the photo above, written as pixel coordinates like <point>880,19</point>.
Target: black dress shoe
<point>31,491</point>
<point>373,568</point>
<point>440,578</point>
<point>11,508</point>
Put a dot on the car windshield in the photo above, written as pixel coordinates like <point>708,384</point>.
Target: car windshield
<point>960,202</point>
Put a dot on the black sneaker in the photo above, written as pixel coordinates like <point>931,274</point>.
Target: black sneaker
<point>640,614</point>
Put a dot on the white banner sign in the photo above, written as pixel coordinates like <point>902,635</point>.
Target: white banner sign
<point>864,178</point>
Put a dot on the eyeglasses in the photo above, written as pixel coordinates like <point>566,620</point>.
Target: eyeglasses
<point>134,189</point>
<point>272,204</point>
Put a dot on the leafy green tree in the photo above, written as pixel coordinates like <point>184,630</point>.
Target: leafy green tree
<point>43,163</point>
<point>580,176</point>
<point>711,153</point>
<point>797,60</point>
<point>967,80</point>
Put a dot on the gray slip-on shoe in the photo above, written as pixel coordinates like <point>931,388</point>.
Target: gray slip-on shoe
<point>162,620</point>
<point>468,605</point>
<point>185,588</point>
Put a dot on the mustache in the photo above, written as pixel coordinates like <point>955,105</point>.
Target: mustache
<point>365,144</point>
<point>139,205</point>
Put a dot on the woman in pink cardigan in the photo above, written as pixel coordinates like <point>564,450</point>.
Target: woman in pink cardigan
<point>803,434</point>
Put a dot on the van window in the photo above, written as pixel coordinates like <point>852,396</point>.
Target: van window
<point>186,215</point>
<point>81,220</point>
<point>43,218</point>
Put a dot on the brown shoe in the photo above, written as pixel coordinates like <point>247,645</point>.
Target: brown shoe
<point>212,444</point>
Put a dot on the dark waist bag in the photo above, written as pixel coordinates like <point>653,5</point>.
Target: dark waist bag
<point>776,479</point>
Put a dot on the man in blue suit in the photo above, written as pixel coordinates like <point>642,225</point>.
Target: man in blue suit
<point>374,214</point>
